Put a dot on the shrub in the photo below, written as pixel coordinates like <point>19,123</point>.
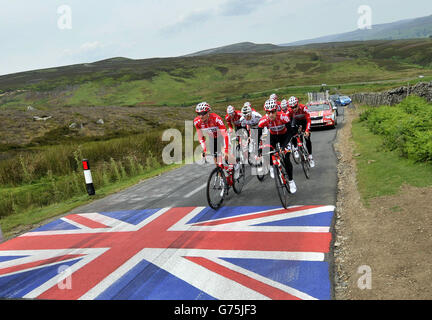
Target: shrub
<point>406,127</point>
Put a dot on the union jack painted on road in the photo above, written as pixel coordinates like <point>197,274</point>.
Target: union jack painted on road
<point>173,253</point>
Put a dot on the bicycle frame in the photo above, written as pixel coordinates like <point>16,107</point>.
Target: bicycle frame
<point>276,158</point>
<point>228,169</point>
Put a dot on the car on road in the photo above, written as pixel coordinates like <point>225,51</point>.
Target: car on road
<point>344,100</point>
<point>322,113</point>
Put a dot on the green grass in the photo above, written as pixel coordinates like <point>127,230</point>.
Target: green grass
<point>389,171</point>
<point>35,215</point>
<point>184,81</point>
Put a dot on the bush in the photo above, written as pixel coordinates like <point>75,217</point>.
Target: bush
<point>54,173</point>
<point>406,127</point>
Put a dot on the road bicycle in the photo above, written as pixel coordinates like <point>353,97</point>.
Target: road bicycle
<point>303,153</point>
<point>222,179</point>
<point>281,176</point>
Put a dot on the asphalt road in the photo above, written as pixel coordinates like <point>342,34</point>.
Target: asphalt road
<point>159,240</point>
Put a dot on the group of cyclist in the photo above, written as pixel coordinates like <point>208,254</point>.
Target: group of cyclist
<point>281,120</point>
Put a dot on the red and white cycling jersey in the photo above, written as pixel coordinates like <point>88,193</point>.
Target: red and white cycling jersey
<point>213,126</point>
<point>276,126</point>
<point>302,114</point>
<point>235,119</point>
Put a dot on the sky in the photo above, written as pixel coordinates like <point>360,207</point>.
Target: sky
<point>50,33</point>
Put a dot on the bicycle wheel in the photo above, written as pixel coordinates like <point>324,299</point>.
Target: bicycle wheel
<point>260,170</point>
<point>238,154</point>
<point>240,181</point>
<point>260,174</point>
<point>282,186</point>
<point>217,187</point>
<point>305,162</point>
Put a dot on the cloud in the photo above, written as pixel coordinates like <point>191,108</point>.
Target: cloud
<point>197,17</point>
<point>240,7</point>
<point>229,8</point>
<point>84,48</point>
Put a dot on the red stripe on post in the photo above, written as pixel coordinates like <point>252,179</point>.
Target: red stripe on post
<point>85,165</point>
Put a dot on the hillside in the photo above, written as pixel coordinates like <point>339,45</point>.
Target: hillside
<point>138,95</point>
<point>404,29</point>
<point>238,48</point>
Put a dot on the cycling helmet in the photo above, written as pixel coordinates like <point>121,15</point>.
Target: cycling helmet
<point>247,104</point>
<point>230,110</point>
<point>246,110</point>
<point>274,97</point>
<point>270,105</point>
<point>293,102</point>
<point>202,107</point>
<point>284,105</point>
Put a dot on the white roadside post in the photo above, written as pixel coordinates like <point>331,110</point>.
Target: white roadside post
<point>88,178</point>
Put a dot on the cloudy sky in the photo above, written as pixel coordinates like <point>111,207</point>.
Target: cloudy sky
<point>50,33</point>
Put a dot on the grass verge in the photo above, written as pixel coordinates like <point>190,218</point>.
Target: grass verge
<point>381,172</point>
<point>17,223</point>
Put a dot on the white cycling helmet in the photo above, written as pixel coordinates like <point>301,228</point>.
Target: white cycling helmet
<point>246,110</point>
<point>284,105</point>
<point>270,105</point>
<point>202,107</point>
<point>293,102</point>
<point>247,104</point>
<point>273,96</point>
<point>230,110</point>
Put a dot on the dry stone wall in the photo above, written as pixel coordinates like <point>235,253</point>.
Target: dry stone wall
<point>394,96</point>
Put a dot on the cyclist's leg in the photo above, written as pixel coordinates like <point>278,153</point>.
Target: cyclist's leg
<point>292,130</point>
<point>307,140</point>
<point>213,149</point>
<point>284,140</point>
<point>309,144</point>
<point>274,139</point>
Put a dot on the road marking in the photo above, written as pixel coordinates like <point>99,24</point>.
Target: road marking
<point>195,191</point>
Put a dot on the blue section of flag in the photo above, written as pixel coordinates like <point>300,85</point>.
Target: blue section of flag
<point>226,212</point>
<point>146,281</point>
<point>311,277</point>
<point>19,284</point>
<point>56,225</point>
<point>132,216</point>
<point>321,219</point>
<point>7,258</point>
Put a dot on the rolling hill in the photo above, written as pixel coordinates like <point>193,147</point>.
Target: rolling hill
<point>404,29</point>
<point>138,95</point>
<point>238,48</point>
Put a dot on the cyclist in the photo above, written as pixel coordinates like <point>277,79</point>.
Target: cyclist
<point>284,105</point>
<point>276,123</point>
<point>233,119</point>
<point>249,120</point>
<point>300,116</point>
<point>212,124</point>
<point>275,97</point>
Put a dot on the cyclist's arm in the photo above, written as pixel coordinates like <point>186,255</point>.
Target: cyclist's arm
<point>228,120</point>
<point>308,121</point>
<point>201,137</point>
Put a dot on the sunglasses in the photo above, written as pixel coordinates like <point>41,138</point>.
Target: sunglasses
<point>202,113</point>
<point>270,112</point>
